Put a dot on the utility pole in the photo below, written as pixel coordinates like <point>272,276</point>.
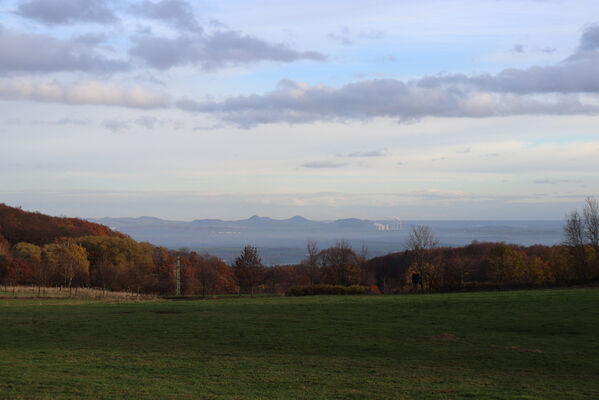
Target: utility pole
<point>178,277</point>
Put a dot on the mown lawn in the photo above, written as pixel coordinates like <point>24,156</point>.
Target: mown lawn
<point>541,344</point>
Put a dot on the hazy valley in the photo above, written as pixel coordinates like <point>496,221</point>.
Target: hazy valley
<point>283,241</point>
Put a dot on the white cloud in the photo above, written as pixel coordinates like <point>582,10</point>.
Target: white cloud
<point>87,92</point>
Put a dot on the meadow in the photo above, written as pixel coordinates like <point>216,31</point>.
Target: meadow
<point>539,344</point>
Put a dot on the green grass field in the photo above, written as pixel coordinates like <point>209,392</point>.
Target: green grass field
<point>541,344</point>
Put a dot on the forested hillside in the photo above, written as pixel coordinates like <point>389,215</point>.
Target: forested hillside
<point>40,250</point>
<point>17,226</point>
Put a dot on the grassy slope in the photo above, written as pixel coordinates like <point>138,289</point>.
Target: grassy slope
<point>510,345</point>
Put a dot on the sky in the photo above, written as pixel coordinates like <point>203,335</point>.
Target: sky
<point>436,109</point>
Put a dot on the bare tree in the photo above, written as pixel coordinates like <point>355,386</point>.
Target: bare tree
<point>421,241</point>
<point>590,214</point>
<point>574,233</point>
<point>574,230</point>
<point>310,264</point>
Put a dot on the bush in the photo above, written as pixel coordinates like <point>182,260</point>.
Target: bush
<point>313,290</point>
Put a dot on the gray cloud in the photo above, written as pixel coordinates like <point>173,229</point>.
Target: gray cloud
<point>388,58</point>
<point>147,121</point>
<point>323,164</point>
<point>150,122</point>
<point>176,13</point>
<point>22,52</point>
<point>370,153</point>
<point>437,194</point>
<point>294,102</point>
<point>54,12</point>
<point>347,37</point>
<point>72,121</point>
<point>36,122</point>
<point>518,48</point>
<point>115,125</point>
<point>570,76</point>
<point>556,181</point>
<point>510,92</point>
<point>590,39</point>
<point>213,51</point>
<point>548,50</point>
<point>575,74</point>
<point>343,36</point>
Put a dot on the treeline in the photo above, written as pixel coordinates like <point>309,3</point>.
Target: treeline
<point>424,267</point>
<point>478,266</point>
<point>484,266</point>
<point>110,263</point>
<point>122,264</point>
<point>115,262</point>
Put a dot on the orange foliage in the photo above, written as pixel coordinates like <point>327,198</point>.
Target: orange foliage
<point>17,226</point>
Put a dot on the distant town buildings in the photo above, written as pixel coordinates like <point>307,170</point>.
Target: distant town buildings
<point>392,226</point>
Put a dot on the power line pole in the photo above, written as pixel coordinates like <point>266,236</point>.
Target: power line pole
<point>178,277</point>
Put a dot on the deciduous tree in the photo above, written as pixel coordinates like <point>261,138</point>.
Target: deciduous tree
<point>590,213</point>
<point>341,265</point>
<point>421,242</point>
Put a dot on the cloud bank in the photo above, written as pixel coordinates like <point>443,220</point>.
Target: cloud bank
<point>294,102</point>
<point>570,87</point>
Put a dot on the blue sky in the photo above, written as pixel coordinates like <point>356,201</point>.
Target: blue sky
<point>200,109</point>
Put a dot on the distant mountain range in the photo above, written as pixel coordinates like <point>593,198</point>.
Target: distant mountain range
<point>284,240</point>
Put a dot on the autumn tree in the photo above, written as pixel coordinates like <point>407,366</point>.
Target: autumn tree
<point>560,267</point>
<point>225,282</point>
<point>164,269</point>
<point>504,260</point>
<point>341,265</point>
<point>137,274</point>
<point>107,257</point>
<point>68,260</point>
<point>32,255</point>
<point>248,269</point>
<point>210,275</point>
<point>5,259</point>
